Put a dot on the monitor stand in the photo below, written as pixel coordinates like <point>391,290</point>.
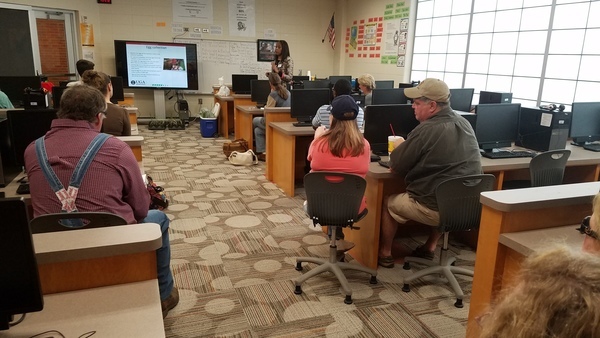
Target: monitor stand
<point>302,124</point>
<point>260,105</point>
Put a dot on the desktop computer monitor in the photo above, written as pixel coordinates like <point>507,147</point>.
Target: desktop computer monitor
<point>56,95</point>
<point>316,84</point>
<point>359,99</point>
<point>240,83</point>
<point>384,84</point>
<point>259,92</point>
<point>405,85</point>
<point>298,81</point>
<point>334,79</point>
<point>25,126</point>
<point>118,94</point>
<point>585,122</point>
<point>497,125</point>
<point>379,121</point>
<point>389,96</point>
<point>306,102</point>
<point>461,99</point>
<point>20,289</point>
<point>14,87</point>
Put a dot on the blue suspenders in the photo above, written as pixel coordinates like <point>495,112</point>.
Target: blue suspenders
<point>67,197</point>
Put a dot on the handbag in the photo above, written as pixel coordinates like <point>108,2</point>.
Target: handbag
<point>243,158</point>
<point>240,145</point>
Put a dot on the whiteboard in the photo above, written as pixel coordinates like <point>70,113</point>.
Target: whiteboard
<point>220,58</point>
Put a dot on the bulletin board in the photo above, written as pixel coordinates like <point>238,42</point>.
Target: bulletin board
<point>221,58</point>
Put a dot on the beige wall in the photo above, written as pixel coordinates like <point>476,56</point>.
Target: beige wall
<point>302,23</point>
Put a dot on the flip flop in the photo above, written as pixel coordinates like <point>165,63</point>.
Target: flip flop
<point>421,252</point>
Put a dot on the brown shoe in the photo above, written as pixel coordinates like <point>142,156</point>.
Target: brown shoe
<point>261,157</point>
<point>343,246</point>
<point>170,302</point>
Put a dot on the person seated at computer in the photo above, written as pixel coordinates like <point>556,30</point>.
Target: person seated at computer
<point>341,87</point>
<point>556,295</point>
<point>366,83</point>
<point>117,118</point>
<point>341,148</point>
<point>111,183</point>
<point>441,147</point>
<point>81,65</point>
<point>279,97</point>
<point>5,101</point>
<point>591,227</point>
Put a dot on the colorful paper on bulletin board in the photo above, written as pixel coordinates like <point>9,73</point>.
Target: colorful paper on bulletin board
<point>370,37</point>
<point>389,59</point>
<point>87,34</point>
<point>353,36</point>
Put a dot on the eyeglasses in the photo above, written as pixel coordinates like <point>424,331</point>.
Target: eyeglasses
<point>584,228</point>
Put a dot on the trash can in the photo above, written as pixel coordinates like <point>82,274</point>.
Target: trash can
<point>208,126</point>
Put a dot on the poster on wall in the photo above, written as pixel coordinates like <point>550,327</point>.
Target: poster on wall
<point>242,18</point>
<point>370,38</point>
<point>363,38</point>
<point>395,17</point>
<point>193,11</point>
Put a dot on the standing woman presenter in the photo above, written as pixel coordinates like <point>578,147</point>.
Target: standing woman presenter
<point>283,64</point>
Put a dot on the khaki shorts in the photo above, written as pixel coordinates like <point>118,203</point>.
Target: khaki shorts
<point>403,208</point>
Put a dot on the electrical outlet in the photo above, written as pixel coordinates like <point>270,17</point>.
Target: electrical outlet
<point>185,29</point>
<point>200,101</point>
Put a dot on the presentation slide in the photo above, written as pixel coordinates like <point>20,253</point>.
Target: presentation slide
<point>156,65</point>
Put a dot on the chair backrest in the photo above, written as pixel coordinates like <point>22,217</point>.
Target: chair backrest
<point>458,201</point>
<point>548,168</point>
<point>52,222</point>
<point>334,198</point>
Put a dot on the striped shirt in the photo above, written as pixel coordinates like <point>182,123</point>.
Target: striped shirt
<point>322,117</point>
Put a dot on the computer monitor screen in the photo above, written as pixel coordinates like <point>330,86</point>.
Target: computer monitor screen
<point>14,87</point>
<point>306,102</point>
<point>405,85</point>
<point>497,125</point>
<point>25,126</point>
<point>384,84</point>
<point>585,122</point>
<point>461,98</point>
<point>379,121</point>
<point>20,289</point>
<point>360,99</point>
<point>316,84</point>
<point>299,80</point>
<point>389,96</point>
<point>240,83</point>
<point>260,90</point>
<point>118,94</point>
<point>334,79</point>
<point>56,95</point>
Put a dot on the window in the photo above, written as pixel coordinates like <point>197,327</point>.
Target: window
<point>543,51</point>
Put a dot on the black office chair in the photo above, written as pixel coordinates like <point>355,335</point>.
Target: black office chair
<point>547,168</point>
<point>87,220</point>
<point>460,210</point>
<point>333,199</point>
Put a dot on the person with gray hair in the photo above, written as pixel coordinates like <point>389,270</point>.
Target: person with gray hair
<point>109,179</point>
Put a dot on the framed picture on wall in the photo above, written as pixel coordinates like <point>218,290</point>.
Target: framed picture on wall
<point>265,50</point>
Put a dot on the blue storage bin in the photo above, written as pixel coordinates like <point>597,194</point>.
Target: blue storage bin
<point>208,126</point>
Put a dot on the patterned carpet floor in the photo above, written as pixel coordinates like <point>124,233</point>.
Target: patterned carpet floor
<point>234,238</point>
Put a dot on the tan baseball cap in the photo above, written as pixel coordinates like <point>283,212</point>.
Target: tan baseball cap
<point>433,89</point>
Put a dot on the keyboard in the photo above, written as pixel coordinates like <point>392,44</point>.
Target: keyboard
<point>508,154</point>
<point>592,146</point>
<point>302,124</point>
<point>23,189</point>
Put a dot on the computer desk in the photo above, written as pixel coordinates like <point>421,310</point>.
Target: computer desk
<point>134,142</point>
<point>240,100</point>
<point>287,151</point>
<point>273,114</point>
<point>243,122</point>
<point>549,211</point>
<point>226,115</point>
<point>582,166</point>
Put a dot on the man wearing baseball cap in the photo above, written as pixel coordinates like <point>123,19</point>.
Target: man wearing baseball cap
<point>441,147</point>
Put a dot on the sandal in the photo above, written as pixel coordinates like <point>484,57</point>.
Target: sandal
<point>421,252</point>
<point>386,262</point>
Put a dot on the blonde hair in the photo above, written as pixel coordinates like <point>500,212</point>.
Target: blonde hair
<point>367,80</point>
<point>275,81</point>
<point>344,138</point>
<point>97,80</point>
<point>596,212</point>
<point>557,295</point>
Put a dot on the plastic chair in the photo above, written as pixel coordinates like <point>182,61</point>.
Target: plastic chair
<point>333,199</point>
<point>460,210</point>
<point>55,222</point>
<point>547,168</point>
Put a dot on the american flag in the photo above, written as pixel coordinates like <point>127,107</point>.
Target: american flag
<point>331,32</point>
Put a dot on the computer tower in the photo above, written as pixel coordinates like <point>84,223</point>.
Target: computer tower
<point>494,97</point>
<point>543,130</point>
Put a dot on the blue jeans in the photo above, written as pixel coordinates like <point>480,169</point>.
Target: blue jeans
<point>260,134</point>
<point>163,255</point>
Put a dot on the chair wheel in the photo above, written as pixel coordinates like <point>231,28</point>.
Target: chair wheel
<point>298,266</point>
<point>406,288</point>
<point>459,303</point>
<point>348,299</point>
<point>298,290</point>
<point>453,264</point>
<point>373,280</point>
<point>406,266</point>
